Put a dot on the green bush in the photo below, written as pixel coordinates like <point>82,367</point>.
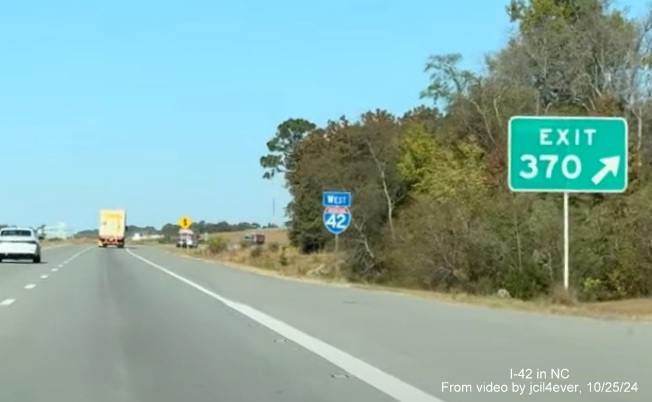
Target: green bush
<point>432,207</point>
<point>283,259</point>
<point>256,252</point>
<point>216,245</point>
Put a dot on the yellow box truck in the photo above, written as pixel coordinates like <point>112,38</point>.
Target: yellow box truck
<point>113,225</point>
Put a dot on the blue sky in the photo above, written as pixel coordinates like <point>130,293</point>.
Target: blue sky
<point>164,107</point>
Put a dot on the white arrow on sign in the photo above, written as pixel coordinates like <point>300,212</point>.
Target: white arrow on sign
<point>610,165</point>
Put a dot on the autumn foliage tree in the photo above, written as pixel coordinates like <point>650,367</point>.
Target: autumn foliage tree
<point>432,208</point>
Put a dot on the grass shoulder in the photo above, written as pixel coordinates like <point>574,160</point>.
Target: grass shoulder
<point>278,258</point>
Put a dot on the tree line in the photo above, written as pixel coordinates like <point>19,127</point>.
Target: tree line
<point>171,229</point>
<point>431,204</point>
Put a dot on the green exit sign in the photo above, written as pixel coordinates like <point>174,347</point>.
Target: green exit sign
<point>567,154</point>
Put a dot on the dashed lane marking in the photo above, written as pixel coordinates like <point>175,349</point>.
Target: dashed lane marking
<point>74,256</point>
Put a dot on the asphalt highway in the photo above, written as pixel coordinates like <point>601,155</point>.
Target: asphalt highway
<point>141,325</point>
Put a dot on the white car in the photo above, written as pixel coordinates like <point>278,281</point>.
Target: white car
<point>186,242</point>
<point>19,244</point>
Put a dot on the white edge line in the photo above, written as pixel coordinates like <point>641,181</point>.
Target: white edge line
<point>7,302</point>
<point>384,382</point>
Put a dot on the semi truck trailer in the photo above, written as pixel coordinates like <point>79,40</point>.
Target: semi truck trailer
<point>113,225</point>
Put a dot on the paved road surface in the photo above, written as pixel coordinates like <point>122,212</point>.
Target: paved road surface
<point>141,325</point>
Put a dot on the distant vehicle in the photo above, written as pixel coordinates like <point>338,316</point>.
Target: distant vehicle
<point>187,239</point>
<point>19,244</point>
<point>113,226</point>
<point>255,238</point>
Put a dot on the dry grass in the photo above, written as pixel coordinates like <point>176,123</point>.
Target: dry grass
<point>279,236</point>
<point>315,268</point>
<point>289,264</point>
<point>276,258</point>
<point>635,309</point>
<point>632,307</point>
